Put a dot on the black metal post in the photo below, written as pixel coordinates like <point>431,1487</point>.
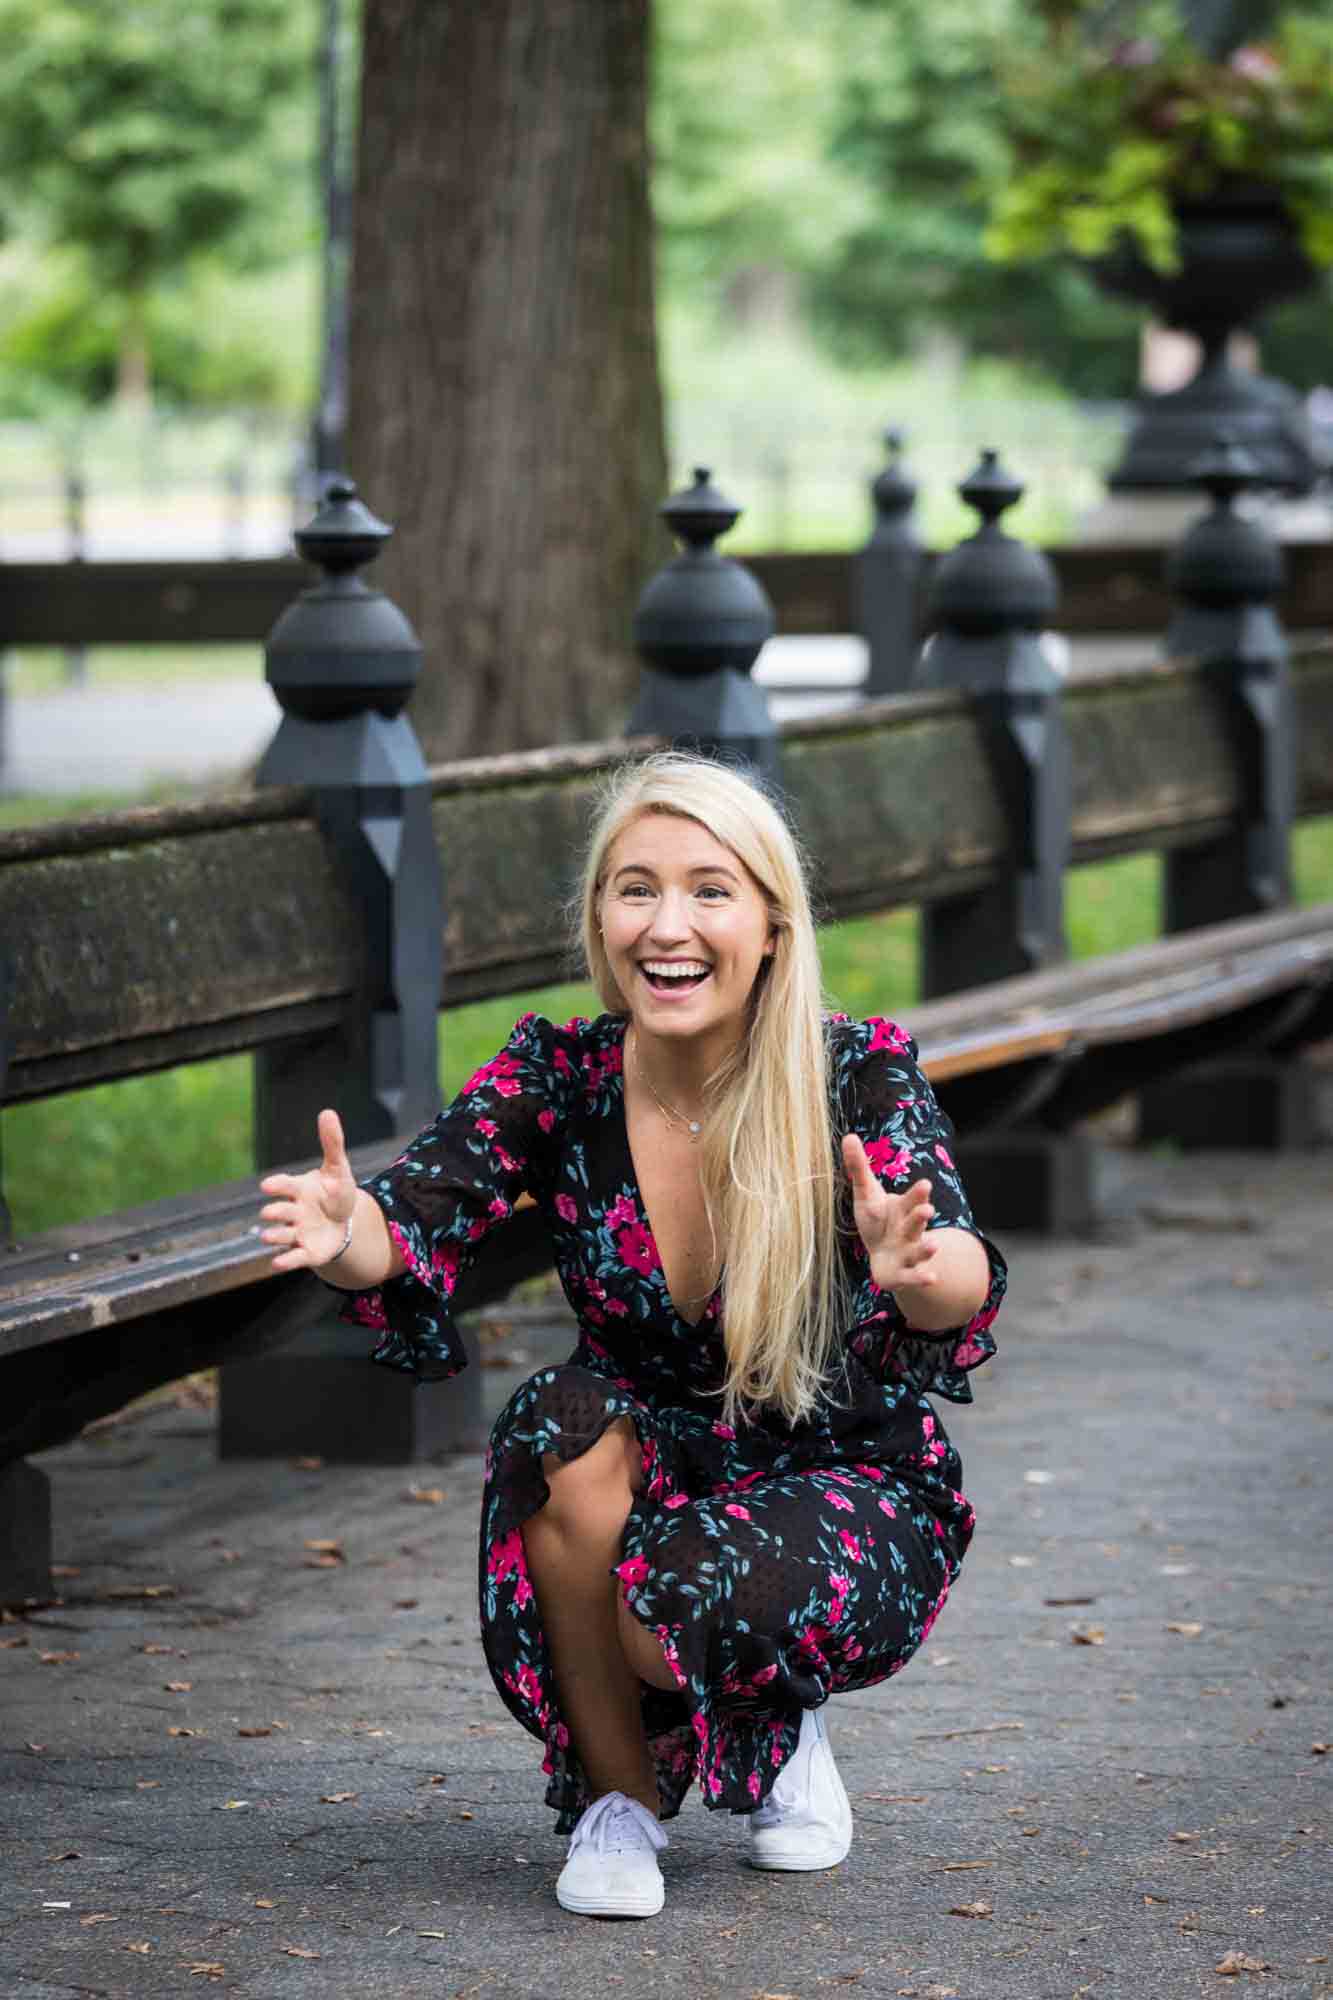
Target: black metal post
<point>888,579</point>
<point>699,627</point>
<point>1225,575</point>
<point>342,662</point>
<point>76,500</point>
<point>990,599</point>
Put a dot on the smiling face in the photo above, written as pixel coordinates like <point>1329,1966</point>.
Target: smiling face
<point>686,929</point>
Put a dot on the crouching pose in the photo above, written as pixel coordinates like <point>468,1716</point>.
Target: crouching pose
<point>733,1500</point>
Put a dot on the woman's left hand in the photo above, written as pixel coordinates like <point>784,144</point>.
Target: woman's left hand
<point>893,1227</point>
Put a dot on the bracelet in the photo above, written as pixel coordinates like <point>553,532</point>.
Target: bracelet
<point>343,1247</point>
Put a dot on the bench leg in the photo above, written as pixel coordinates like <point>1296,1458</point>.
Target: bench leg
<point>318,1396</point>
<point>1049,1182</point>
<point>25,1533</point>
<point>1255,1104</point>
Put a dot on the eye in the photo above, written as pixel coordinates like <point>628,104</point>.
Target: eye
<point>636,889</point>
<point>715,889</point>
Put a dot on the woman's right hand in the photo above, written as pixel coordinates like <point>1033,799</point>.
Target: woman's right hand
<point>308,1214</point>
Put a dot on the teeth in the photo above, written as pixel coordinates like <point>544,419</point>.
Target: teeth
<point>674,968</point>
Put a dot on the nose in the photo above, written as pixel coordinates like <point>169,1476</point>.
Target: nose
<point>671,917</point>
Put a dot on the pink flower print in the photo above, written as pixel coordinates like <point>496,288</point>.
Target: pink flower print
<point>853,1650</point>
<point>522,1594</point>
<point>444,1267</point>
<point>638,1250</point>
<point>507,1087</point>
<point>941,1154</point>
<point>529,1687</point>
<point>850,1543</point>
<point>562,1062</point>
<point>889,1160</point>
<point>498,1069</point>
<point>476,1230</point>
<point>621,1212</point>
<point>505,1555</point>
<point>566,1208</point>
<point>739,1513</point>
<point>699,1726</point>
<point>677,1500</point>
<point>487,1127</point>
<point>618,1307</point>
<point>843,1478</point>
<point>764,1675</point>
<point>633,1571</point>
<point>561,1736</point>
<point>927,1425</point>
<point>723,1431</point>
<point>887,1035</point>
<point>887,1507</point>
<point>752,1785</point>
<point>546,1119</point>
<point>499,1208</point>
<point>841,1501</point>
<point>871,1471</point>
<point>968,1353</point>
<point>507,1161</point>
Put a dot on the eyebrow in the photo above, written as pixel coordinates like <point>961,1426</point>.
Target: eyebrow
<point>642,868</point>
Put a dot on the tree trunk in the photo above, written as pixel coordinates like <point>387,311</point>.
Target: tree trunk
<point>133,368</point>
<point>505,412</point>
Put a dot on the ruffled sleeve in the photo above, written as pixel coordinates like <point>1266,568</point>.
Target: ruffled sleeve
<point>455,1183</point>
<point>885,1098</point>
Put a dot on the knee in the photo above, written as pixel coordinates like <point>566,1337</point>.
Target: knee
<point>608,1472</point>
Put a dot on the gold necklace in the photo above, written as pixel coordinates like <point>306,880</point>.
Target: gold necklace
<point>692,1126</point>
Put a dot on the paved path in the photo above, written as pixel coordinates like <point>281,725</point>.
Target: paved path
<point>1108,1748</point>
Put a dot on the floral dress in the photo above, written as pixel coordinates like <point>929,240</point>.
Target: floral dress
<point>777,1564</point>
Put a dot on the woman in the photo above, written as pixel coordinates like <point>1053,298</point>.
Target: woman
<point>734,1499</point>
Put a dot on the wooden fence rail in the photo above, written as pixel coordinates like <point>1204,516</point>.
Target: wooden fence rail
<point>163,935</point>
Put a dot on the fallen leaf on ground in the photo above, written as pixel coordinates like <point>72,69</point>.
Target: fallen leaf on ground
<point>335,1798</point>
<point>66,1854</point>
<point>153,1647</point>
<point>204,1968</point>
<point>265,1903</point>
<point>1163,1900</point>
<point>66,1569</point>
<point>406,1603</point>
<point>960,1867</point>
<point>324,1562</point>
<point>142,1949</point>
<point>1240,1961</point>
<point>260,1729</point>
<point>130,1591</point>
<point>56,1659</point>
<point>307,1464</point>
<point>1088,1635</point>
<point>1188,1628</point>
<point>466,1815</point>
<point>1184,1836</point>
<point>1059,1603</point>
<point>36,1748</point>
<point>298,1951</point>
<point>972,1910</point>
<point>983,1729</point>
<point>99,1917</point>
<point>146,1784</point>
<point>437,1778</point>
<point>1316,1749</point>
<point>323,1546</point>
<point>992,1769</point>
<point>177,1687</point>
<point>427,1496</point>
<point>185,1732</point>
<point>8,1645</point>
<point>233,1805</point>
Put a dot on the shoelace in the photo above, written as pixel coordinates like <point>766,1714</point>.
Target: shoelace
<point>614,1823</point>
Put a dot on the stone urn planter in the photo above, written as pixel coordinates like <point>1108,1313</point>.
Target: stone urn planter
<point>1240,254</point>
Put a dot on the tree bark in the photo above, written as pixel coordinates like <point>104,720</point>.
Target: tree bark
<point>504,405</point>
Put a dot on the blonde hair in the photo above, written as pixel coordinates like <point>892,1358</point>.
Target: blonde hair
<point>767,1161</point>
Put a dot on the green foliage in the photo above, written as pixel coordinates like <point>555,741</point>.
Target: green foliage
<point>1111,125</point>
<point>139,143</point>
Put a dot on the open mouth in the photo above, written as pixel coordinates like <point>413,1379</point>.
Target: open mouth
<point>675,975</point>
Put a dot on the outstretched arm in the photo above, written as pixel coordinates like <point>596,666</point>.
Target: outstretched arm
<point>939,1277</point>
<point>309,1217</point>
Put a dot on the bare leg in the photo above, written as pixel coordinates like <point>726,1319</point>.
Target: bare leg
<point>570,1546</point>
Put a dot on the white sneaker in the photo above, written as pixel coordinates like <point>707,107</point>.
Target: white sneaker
<point>806,1820</point>
<point>612,1870</point>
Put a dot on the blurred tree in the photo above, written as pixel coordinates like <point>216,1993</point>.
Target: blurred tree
<point>504,405</point>
<point>149,136</point>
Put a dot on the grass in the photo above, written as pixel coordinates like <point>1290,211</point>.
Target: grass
<point>95,1151</point>
<point>41,670</point>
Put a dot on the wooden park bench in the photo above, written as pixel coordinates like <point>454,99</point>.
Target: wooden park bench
<point>223,926</point>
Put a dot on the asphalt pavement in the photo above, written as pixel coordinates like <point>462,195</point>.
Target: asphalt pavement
<point>254,1745</point>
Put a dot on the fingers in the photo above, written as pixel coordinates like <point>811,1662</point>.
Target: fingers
<point>332,1144</point>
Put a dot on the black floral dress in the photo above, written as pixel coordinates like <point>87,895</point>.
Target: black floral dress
<point>776,1564</point>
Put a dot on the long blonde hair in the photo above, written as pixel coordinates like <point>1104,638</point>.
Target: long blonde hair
<point>767,1161</point>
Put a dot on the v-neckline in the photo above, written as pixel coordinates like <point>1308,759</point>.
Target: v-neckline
<point>690,1325</point>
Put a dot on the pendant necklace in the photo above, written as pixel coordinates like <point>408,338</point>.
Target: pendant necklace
<point>693,1126</point>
